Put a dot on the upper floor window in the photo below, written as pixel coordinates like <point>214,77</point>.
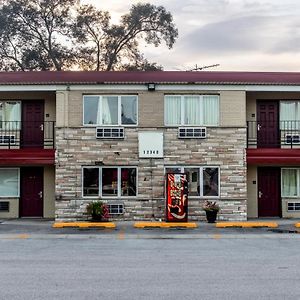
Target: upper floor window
<point>109,110</point>
<point>10,114</point>
<point>289,115</point>
<point>192,110</point>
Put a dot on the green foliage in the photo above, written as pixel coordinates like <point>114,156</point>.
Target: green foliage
<point>95,208</point>
<point>61,34</point>
<point>210,206</point>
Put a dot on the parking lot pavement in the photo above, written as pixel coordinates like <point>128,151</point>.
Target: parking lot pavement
<point>43,228</point>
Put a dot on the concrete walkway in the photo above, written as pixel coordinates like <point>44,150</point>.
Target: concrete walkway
<point>25,228</point>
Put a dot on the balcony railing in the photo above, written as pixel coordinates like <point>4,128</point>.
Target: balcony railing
<point>29,134</point>
<point>268,134</point>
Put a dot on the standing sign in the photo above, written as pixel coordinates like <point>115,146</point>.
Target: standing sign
<point>177,197</point>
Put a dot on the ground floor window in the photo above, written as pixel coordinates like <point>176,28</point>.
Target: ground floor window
<point>290,182</point>
<point>203,181</point>
<point>9,182</point>
<point>109,181</point>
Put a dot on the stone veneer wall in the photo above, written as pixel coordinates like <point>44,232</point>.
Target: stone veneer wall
<point>223,147</point>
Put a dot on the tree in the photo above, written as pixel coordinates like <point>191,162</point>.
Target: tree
<point>61,34</point>
<point>31,34</point>
<point>116,46</point>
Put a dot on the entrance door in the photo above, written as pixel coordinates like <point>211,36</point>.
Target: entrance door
<point>31,202</point>
<point>267,124</point>
<point>32,124</point>
<point>269,192</point>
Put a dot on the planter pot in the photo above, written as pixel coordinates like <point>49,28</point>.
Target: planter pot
<point>211,216</point>
<point>96,218</point>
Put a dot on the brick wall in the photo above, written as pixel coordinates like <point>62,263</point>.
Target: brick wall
<point>223,147</point>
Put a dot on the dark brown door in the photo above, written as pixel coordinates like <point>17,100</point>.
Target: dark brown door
<point>31,202</point>
<point>32,124</point>
<point>269,192</point>
<point>267,124</point>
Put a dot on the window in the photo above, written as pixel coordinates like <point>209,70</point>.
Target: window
<point>109,181</point>
<point>194,110</point>
<point>290,182</point>
<point>9,182</point>
<point>10,115</point>
<point>203,181</point>
<point>109,110</point>
<point>289,115</point>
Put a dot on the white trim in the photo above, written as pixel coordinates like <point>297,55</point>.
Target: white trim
<point>144,87</point>
<point>119,177</point>
<point>18,195</point>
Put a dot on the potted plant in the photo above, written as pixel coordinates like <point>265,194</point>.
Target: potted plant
<point>98,211</point>
<point>211,209</point>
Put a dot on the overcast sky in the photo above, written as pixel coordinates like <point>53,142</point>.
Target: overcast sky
<point>240,35</point>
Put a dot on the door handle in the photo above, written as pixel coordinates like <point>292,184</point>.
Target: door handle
<point>260,194</point>
<point>41,194</point>
<point>258,127</point>
<point>42,127</point>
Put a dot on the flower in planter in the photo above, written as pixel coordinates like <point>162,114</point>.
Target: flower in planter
<point>210,206</point>
<point>97,210</point>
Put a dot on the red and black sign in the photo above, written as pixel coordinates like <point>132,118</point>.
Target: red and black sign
<point>177,197</point>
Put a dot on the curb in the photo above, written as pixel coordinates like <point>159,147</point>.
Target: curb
<point>164,225</point>
<point>85,225</point>
<point>246,224</point>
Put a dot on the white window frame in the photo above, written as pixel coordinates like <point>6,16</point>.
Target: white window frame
<point>182,111</point>
<point>200,168</point>
<point>18,194</point>
<point>119,111</point>
<point>119,187</point>
<point>298,184</point>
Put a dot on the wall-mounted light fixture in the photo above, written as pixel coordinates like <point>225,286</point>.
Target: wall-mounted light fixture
<point>151,86</point>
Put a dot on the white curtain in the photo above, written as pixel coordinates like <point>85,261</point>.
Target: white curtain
<point>172,110</point>
<point>109,110</point>
<point>12,115</point>
<point>289,182</point>
<point>9,183</point>
<point>211,110</point>
<point>289,115</point>
<point>192,109</point>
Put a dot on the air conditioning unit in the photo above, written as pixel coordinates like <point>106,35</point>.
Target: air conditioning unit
<point>110,132</point>
<point>192,132</point>
<point>7,139</point>
<point>293,206</point>
<point>292,139</point>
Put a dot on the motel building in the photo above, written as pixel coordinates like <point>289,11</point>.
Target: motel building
<point>69,138</point>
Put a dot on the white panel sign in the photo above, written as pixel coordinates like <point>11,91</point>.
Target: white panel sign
<point>151,144</point>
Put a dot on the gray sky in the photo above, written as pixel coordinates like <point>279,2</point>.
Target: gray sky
<point>240,35</point>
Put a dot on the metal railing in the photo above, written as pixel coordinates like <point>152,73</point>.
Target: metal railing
<point>268,134</point>
<point>27,134</point>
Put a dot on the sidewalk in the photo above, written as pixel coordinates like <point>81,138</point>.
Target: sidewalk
<point>42,227</point>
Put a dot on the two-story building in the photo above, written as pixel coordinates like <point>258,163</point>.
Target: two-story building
<point>116,135</point>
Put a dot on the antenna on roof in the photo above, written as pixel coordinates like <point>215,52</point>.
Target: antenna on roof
<point>203,67</point>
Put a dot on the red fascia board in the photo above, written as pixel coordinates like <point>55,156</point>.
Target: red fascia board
<point>274,157</point>
<point>143,77</point>
<point>30,157</point>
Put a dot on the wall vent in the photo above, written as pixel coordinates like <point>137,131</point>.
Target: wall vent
<point>116,209</point>
<point>4,206</point>
<point>110,132</point>
<point>7,139</point>
<point>293,206</point>
<point>192,132</point>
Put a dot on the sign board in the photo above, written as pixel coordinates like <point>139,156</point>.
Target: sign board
<point>151,144</point>
<point>177,197</point>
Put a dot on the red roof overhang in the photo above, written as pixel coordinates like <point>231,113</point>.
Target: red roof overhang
<point>24,157</point>
<point>273,157</point>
